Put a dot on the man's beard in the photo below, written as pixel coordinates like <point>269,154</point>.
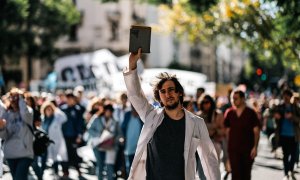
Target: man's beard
<point>172,106</point>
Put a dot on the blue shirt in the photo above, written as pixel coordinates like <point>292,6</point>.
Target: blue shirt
<point>287,128</point>
<point>132,135</point>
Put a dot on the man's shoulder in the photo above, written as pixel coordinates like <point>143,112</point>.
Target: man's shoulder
<point>193,117</point>
<point>250,110</point>
<point>230,110</point>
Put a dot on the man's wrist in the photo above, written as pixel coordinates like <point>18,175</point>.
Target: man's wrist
<point>132,66</point>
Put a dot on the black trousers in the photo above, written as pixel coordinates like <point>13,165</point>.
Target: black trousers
<point>289,148</point>
<point>73,158</point>
<point>241,165</point>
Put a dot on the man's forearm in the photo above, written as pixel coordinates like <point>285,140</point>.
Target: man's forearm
<point>256,136</point>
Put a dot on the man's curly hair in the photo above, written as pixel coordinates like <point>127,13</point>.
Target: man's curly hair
<point>161,79</point>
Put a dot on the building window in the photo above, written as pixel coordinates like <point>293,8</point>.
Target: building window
<point>113,18</point>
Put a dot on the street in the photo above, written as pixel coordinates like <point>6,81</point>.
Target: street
<point>265,167</point>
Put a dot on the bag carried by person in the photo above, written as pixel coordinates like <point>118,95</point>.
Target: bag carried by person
<point>106,140</point>
<point>41,141</point>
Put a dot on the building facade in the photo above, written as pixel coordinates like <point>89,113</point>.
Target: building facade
<point>107,25</point>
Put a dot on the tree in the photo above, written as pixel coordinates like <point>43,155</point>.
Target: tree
<point>268,30</point>
<point>29,28</point>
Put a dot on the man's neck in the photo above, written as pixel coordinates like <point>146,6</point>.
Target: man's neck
<point>241,107</point>
<point>175,114</point>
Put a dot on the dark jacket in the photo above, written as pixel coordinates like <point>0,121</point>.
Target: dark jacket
<point>295,119</point>
<point>75,123</point>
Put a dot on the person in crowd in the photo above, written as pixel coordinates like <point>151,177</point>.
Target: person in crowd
<point>95,106</point>
<point>188,105</point>
<point>199,93</point>
<point>72,130</point>
<point>30,101</point>
<point>120,110</point>
<point>269,127</point>
<point>295,100</point>
<point>82,100</point>
<point>18,144</point>
<point>228,104</point>
<point>255,105</point>
<point>242,126</point>
<point>131,128</point>
<point>171,137</point>
<point>60,98</point>
<point>214,121</point>
<point>52,121</point>
<point>105,156</point>
<point>287,116</point>
<point>223,108</point>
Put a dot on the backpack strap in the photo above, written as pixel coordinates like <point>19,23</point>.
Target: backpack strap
<point>30,128</point>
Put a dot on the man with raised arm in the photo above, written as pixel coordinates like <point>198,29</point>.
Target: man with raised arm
<point>174,144</point>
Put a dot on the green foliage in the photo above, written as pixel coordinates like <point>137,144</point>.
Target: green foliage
<point>201,6</point>
<point>31,27</point>
<point>198,6</point>
<point>106,1</point>
<point>157,2</point>
<point>267,30</point>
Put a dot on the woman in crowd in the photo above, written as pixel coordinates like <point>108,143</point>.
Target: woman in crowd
<point>214,121</point>
<point>52,120</point>
<point>95,106</point>
<point>18,149</point>
<point>105,156</point>
<point>30,101</point>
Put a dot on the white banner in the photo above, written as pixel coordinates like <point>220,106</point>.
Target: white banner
<point>86,69</point>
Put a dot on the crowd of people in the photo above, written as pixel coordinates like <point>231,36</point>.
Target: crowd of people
<point>71,121</point>
<point>112,127</point>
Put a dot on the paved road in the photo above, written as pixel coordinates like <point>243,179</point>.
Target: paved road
<point>266,167</point>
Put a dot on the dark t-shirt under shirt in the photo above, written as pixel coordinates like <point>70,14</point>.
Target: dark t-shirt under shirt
<point>165,151</point>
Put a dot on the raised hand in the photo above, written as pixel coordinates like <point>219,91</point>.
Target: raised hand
<point>133,58</point>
